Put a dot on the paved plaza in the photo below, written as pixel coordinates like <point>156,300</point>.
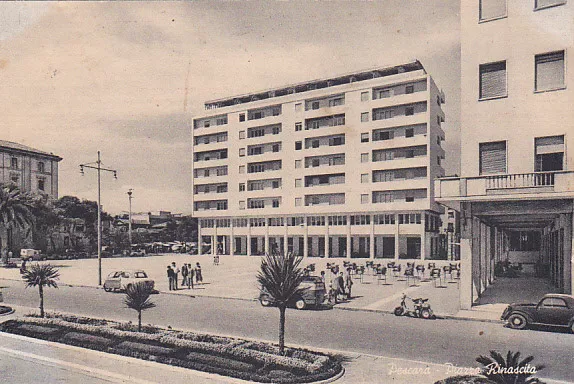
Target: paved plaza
<point>235,277</point>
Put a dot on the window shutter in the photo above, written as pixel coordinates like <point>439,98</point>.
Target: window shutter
<point>493,80</point>
<point>552,144</point>
<point>490,9</point>
<point>549,71</point>
<point>493,157</point>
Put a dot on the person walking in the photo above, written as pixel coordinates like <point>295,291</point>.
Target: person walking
<point>170,276</point>
<point>190,272</point>
<point>348,282</point>
<point>198,275</point>
<point>339,286</point>
<point>176,275</point>
<point>184,274</point>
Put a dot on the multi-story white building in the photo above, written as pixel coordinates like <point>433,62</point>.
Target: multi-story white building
<point>517,134</point>
<point>338,167</point>
<point>30,169</point>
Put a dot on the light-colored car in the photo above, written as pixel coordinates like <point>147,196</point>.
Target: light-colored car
<point>31,255</point>
<point>120,280</point>
<point>314,294</point>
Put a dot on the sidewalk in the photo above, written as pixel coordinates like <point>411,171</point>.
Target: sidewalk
<point>235,278</point>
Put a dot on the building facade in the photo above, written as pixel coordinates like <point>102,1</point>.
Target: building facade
<point>339,167</point>
<point>516,192</point>
<point>29,169</point>
<point>32,171</point>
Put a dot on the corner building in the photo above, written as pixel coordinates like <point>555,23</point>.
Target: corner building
<point>516,193</point>
<point>339,167</point>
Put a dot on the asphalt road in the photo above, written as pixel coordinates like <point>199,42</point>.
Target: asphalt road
<point>437,341</point>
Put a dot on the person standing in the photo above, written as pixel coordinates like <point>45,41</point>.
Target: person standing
<point>348,282</point>
<point>170,277</point>
<point>176,275</point>
<point>190,272</point>
<point>184,274</point>
<point>198,275</point>
<point>340,285</point>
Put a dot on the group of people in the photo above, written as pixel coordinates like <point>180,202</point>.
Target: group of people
<point>337,283</point>
<point>188,272</point>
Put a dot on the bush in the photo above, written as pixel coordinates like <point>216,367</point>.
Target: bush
<point>82,338</point>
<point>38,329</point>
<point>220,362</point>
<point>254,361</point>
<point>145,348</point>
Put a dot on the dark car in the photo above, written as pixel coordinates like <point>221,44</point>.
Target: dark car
<point>314,294</point>
<point>555,310</point>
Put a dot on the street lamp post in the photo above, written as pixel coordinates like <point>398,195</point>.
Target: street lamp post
<point>130,192</point>
<point>99,169</point>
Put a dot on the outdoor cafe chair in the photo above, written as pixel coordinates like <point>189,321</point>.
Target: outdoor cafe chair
<point>435,274</point>
<point>381,275</point>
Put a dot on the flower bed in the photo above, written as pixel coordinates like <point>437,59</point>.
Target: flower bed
<point>255,361</point>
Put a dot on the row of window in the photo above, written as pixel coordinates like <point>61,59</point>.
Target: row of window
<point>317,180</point>
<point>15,164</point>
<point>548,75</point>
<point>548,155</point>
<point>431,221</point>
<point>323,102</point>
<point>497,9</point>
<point>408,196</point>
<point>40,181</point>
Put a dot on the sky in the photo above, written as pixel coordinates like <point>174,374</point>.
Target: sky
<point>127,78</point>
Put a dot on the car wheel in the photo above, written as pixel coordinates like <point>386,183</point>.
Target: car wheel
<point>264,300</point>
<point>300,304</point>
<point>517,321</point>
<point>572,326</point>
<point>107,289</point>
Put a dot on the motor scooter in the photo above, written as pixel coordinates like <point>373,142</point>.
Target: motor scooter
<point>420,308</point>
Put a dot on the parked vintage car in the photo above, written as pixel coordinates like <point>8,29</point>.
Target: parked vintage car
<point>314,294</point>
<point>31,255</point>
<point>120,280</point>
<point>555,310</point>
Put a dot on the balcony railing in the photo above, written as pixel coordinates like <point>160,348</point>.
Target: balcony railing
<point>521,180</point>
<point>556,182</point>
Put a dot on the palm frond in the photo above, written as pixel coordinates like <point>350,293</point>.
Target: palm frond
<point>138,297</point>
<point>280,275</point>
<point>41,274</point>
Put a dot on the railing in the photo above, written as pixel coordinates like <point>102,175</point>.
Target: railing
<point>561,182</point>
<point>522,180</point>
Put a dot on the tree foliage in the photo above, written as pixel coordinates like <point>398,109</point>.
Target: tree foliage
<point>138,299</point>
<point>280,276</point>
<point>41,275</point>
<point>15,212</point>
<point>500,370</point>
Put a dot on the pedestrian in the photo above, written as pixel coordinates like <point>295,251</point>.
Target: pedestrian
<point>170,276</point>
<point>198,275</point>
<point>348,282</point>
<point>184,274</point>
<point>190,272</point>
<point>340,285</point>
<point>176,275</point>
<point>323,276</point>
<point>23,267</point>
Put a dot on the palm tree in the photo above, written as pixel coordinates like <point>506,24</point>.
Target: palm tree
<point>137,298</point>
<point>15,212</point>
<point>496,365</point>
<point>280,276</point>
<point>44,275</point>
